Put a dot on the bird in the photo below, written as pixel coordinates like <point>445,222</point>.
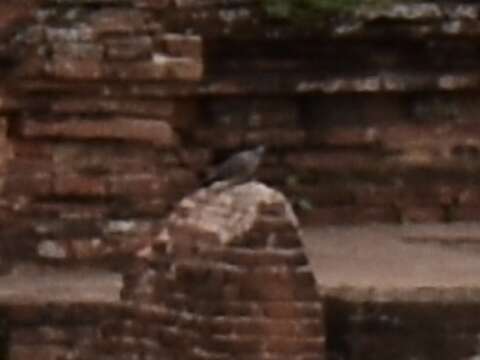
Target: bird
<point>238,168</point>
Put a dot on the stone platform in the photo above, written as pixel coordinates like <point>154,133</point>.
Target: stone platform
<point>399,292</point>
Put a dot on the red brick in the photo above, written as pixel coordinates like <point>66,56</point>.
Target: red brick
<point>157,133</point>
<point>108,21</point>
<point>301,345</point>
<point>256,113</point>
<point>5,147</point>
<point>74,69</point>
<point>184,69</point>
<point>77,50</point>
<point>139,184</point>
<point>196,158</point>
<point>220,138</point>
<point>423,214</point>
<point>77,185</point>
<point>465,213</point>
<point>9,103</point>
<point>115,158</point>
<point>62,210</point>
<point>49,334</point>
<point>145,70</point>
<point>339,161</point>
<point>161,68</point>
<point>39,352</point>
<point>469,196</point>
<point>179,45</point>
<point>32,184</point>
<point>275,137</point>
<point>254,257</point>
<point>343,136</point>
<point>124,106</point>
<point>130,48</point>
<point>31,151</point>
<point>153,4</point>
<point>291,309</point>
<point>151,206</point>
<point>235,344</point>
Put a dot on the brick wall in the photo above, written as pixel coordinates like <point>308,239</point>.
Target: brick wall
<point>229,284</point>
<point>227,278</point>
<point>111,111</point>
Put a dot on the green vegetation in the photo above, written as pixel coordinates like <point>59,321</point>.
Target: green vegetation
<point>311,9</point>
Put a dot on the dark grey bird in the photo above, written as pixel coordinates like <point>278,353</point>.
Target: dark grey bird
<point>238,168</point>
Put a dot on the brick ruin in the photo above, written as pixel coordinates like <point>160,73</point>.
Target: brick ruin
<point>111,111</point>
<point>227,278</point>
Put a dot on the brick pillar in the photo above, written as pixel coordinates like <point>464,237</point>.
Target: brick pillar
<point>227,278</point>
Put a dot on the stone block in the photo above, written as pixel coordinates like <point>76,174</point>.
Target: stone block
<point>40,352</point>
<point>158,108</point>
<point>182,46</point>
<point>74,69</point>
<point>108,21</point>
<point>77,185</point>
<point>157,133</point>
<point>142,185</point>
<point>131,48</point>
<point>281,138</point>
<point>153,4</point>
<point>78,50</point>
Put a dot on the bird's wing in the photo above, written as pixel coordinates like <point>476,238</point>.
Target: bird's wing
<point>231,167</point>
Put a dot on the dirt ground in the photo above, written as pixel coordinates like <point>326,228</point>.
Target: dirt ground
<point>29,283</point>
<point>374,262</point>
<point>406,262</point>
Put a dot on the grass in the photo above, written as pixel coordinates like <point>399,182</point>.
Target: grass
<point>312,9</point>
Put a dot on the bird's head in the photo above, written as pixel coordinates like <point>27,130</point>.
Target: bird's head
<point>260,150</point>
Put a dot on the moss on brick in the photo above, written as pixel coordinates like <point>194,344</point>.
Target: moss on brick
<point>314,9</point>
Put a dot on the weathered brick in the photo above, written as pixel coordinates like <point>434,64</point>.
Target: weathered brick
<point>182,68</point>
<point>67,210</point>
<point>74,69</point>
<point>296,345</point>
<point>76,185</point>
<point>32,184</point>
<point>153,4</point>
<point>54,335</point>
<point>5,150</point>
<point>73,50</point>
<point>69,34</point>
<point>124,106</point>
<point>254,257</point>
<point>423,214</point>
<point>157,133</point>
<point>160,68</point>
<point>139,184</point>
<point>292,309</point>
<point>237,344</point>
<point>465,213</point>
<point>109,21</point>
<point>341,161</point>
<point>153,206</point>
<point>344,136</point>
<point>131,48</point>
<point>246,113</point>
<point>179,45</point>
<point>40,352</point>
<point>276,137</point>
<point>219,138</point>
